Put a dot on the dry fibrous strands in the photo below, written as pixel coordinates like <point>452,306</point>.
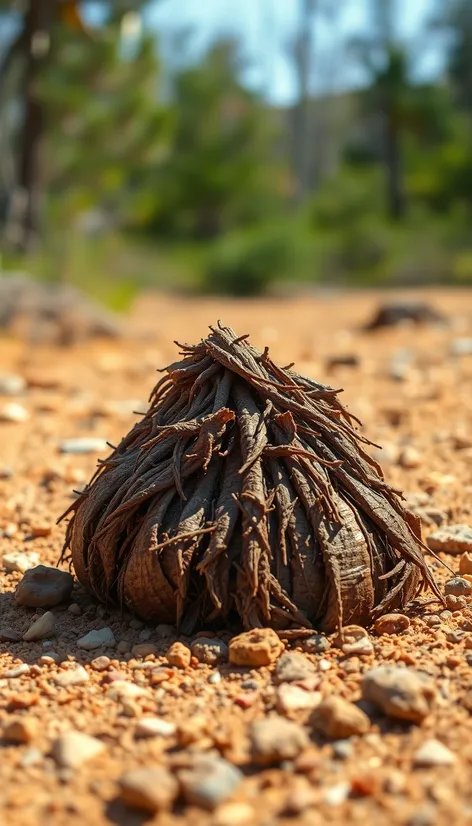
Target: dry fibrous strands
<point>245,490</point>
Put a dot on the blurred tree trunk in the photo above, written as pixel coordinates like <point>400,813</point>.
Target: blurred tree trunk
<point>303,53</point>
<point>24,228</point>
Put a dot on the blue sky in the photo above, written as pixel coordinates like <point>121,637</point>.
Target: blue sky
<point>265,28</point>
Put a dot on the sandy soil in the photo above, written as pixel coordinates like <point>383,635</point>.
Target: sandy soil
<point>414,397</point>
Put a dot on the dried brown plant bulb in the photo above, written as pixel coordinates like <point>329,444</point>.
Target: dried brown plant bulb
<point>245,490</point>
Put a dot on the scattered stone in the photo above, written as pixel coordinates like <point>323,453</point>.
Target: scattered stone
<point>350,634</point>
<point>336,795</point>
<point>31,757</point>
<point>20,730</point>
<point>154,727</point>
<point>342,360</point>
<point>42,628</point>
<point>97,639</point>
<point>9,635</point>
<point>144,649</point>
<point>292,667</point>
<point>44,587</point>
<point>100,663</point>
<point>17,671</point>
<point>454,603</point>
<point>83,445</point>
<point>209,781</point>
<point>13,413</point>
<point>360,648</point>
<point>394,313</point>
<point>40,529</point>
<point>458,587</point>
<point>255,648</point>
<point>433,753</point>
<point>461,347</point>
<point>17,561</point>
<point>317,644</point>
<point>215,678</point>
<point>465,563</point>
<point>431,517</point>
<point>400,692</point>
<point>72,749</point>
<point>338,719</point>
<point>11,384</point>
<point>179,655</point>
<point>409,458</point>
<point>234,814</point>
<point>342,749</point>
<point>391,624</point>
<point>293,698</point>
<point>73,676</point>
<point>209,650</point>
<point>75,609</point>
<point>274,739</point>
<point>150,789</point>
<point>123,690</point>
<point>453,539</point>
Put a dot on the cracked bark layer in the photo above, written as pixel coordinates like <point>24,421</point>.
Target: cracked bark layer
<point>245,489</point>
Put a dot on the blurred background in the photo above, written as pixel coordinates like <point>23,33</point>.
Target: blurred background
<point>236,147</point>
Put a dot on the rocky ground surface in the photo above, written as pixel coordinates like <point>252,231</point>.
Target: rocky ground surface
<point>104,719</point>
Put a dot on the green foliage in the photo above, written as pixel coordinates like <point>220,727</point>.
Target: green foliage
<point>247,263</point>
<point>177,175</point>
<point>220,171</point>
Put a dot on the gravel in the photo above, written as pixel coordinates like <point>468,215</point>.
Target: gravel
<point>97,639</point>
<point>274,739</point>
<point>44,587</point>
<point>148,789</point>
<point>400,692</point>
<point>209,781</point>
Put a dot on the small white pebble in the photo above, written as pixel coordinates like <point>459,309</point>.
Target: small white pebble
<point>17,671</point>
<point>214,678</point>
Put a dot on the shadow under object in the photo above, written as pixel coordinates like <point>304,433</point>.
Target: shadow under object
<point>245,490</point>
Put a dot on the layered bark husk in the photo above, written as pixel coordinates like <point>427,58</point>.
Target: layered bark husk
<point>245,489</point>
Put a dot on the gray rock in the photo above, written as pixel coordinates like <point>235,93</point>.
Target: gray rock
<point>42,628</point>
<point>44,587</point>
<point>400,692</point>
<point>84,445</point>
<point>209,650</point>
<point>74,748</point>
<point>317,644</point>
<point>9,635</point>
<point>97,639</point>
<point>149,789</point>
<point>209,781</point>
<point>274,739</point>
<point>292,667</point>
<point>453,539</point>
<point>458,587</point>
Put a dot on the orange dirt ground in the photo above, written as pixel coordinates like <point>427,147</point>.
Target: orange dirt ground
<point>423,418</point>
